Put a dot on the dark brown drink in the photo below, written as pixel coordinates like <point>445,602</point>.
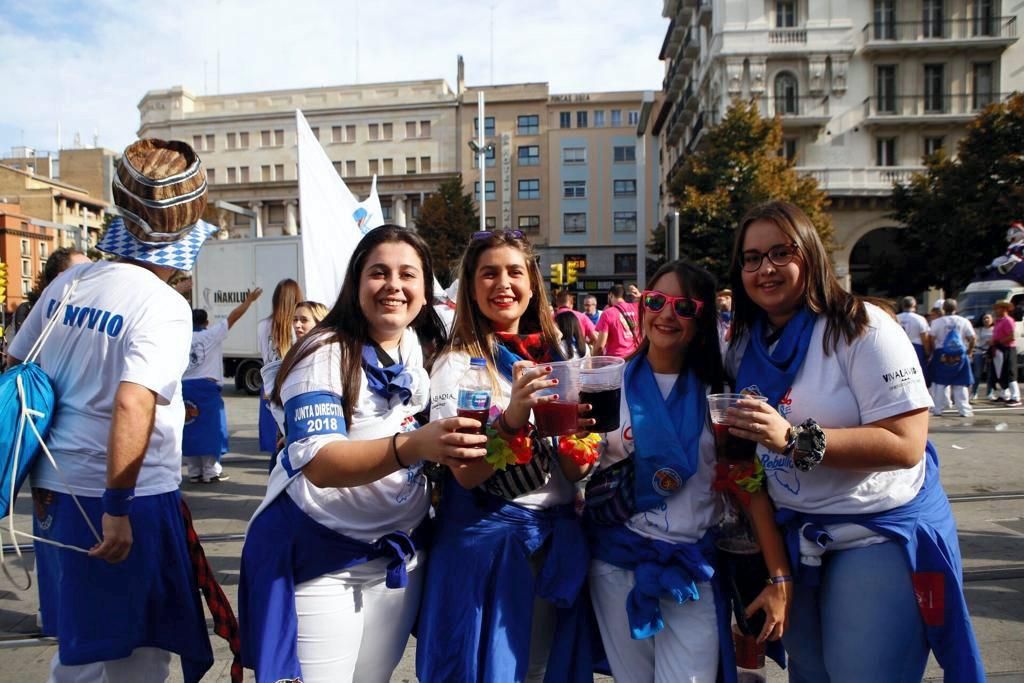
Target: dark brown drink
<point>604,407</point>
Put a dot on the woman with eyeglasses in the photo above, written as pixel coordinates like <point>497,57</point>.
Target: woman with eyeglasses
<point>332,566</point>
<point>659,602</point>
<point>508,558</point>
<point>843,442</point>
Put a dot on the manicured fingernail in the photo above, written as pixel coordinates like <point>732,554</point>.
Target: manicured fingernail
<point>548,369</point>
<point>554,381</point>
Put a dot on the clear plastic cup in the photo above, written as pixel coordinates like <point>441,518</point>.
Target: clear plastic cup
<point>558,417</point>
<point>729,448</point>
<point>601,387</point>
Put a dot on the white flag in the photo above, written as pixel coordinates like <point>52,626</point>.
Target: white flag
<point>369,215</point>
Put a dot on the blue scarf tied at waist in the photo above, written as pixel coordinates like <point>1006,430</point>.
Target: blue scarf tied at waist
<point>283,548</point>
<point>926,530</point>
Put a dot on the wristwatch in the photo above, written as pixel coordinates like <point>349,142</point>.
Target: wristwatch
<point>806,444</point>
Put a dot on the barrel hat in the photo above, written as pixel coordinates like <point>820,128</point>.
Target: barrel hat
<point>160,191</point>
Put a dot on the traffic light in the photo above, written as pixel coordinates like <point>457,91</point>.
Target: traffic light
<point>556,273</point>
<point>570,272</point>
<point>3,281</point>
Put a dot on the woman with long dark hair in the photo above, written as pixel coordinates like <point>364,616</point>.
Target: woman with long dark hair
<point>331,567</point>
<point>843,441</point>
<point>574,344</point>
<point>508,558</point>
<point>655,581</point>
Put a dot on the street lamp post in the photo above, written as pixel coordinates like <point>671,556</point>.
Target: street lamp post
<point>481,150</point>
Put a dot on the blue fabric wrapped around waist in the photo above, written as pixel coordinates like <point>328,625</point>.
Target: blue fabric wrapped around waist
<point>926,530</point>
<point>283,548</point>
<point>206,424</point>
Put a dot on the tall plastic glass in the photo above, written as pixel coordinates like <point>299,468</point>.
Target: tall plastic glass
<point>558,417</point>
<point>601,387</point>
<point>729,448</point>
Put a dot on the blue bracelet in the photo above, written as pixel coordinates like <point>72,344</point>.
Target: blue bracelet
<point>118,502</point>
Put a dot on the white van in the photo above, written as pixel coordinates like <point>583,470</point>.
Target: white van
<point>977,298</point>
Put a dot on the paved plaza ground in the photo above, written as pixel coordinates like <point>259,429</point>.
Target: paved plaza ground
<point>982,470</point>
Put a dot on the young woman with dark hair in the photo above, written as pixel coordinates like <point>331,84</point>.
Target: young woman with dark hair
<point>843,441</point>
<point>573,343</point>
<point>508,558</point>
<point>331,566</point>
<point>654,581</point>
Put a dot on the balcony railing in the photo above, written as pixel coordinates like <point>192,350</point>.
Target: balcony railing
<point>876,180</point>
<point>929,104</point>
<point>979,28</point>
<point>796,106</point>
<point>787,36</point>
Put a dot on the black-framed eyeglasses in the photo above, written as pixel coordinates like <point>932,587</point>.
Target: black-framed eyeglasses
<point>780,255</point>
<point>487,234</point>
<point>683,306</point>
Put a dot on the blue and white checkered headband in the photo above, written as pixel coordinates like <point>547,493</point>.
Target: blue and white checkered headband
<point>180,255</point>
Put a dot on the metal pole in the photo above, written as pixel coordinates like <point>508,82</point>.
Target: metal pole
<point>641,212</point>
<point>673,238</point>
<point>481,157</point>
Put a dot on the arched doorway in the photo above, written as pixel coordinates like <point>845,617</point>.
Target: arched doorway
<point>877,266</point>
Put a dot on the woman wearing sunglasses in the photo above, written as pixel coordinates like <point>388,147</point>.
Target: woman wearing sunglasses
<point>509,557</point>
<point>653,583</point>
<point>843,441</point>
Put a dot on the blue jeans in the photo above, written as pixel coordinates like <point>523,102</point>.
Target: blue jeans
<point>861,624</point>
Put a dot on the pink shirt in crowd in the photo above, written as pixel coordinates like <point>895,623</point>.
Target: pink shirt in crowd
<point>1002,328</point>
<point>621,338</point>
<point>585,324</point>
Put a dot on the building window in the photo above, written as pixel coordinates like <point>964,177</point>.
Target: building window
<point>337,167</point>
<point>388,131</point>
<point>424,164</point>
<point>424,129</point>
<point>625,263</point>
<point>984,18</point>
<point>565,119</point>
<point>489,158</point>
<point>787,94</point>
<point>490,222</point>
<point>599,118</point>
<point>26,286</point>
<point>265,139</point>
<point>984,94</point>
<point>932,18</point>
<point>934,82</point>
<point>624,221</point>
<point>374,166</point>
<point>581,119</point>
<point>410,164</point>
<point>243,140</point>
<point>788,150</point>
<point>211,176</point>
<point>279,138</point>
<point>574,189</point>
<point>885,88</point>
<point>634,117</point>
<point>389,166</point>
<point>336,133</point>
<point>490,193</point>
<point>343,133</point>
<point>350,168</point>
<point>410,129</point>
<point>574,155</point>
<point>316,132</point>
<point>785,13</point>
<point>26,248</point>
<point>574,222</point>
<point>243,174</point>
<point>386,211</point>
<point>26,267</point>
<point>624,153</point>
<point>529,224</point>
<point>616,118</point>
<point>488,126</point>
<point>373,131</point>
<point>529,155</point>
<point>232,140</point>
<point>624,188</point>
<point>885,152</point>
<point>264,174</point>
<point>44,250</point>
<point>279,172</point>
<point>932,145</point>
<point>885,20</point>
<point>528,125</point>
<point>529,189</point>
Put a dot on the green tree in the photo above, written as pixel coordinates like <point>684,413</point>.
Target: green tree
<point>957,211</point>
<point>447,220</point>
<point>738,167</point>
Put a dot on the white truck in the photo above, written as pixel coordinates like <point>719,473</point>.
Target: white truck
<point>224,273</point>
<point>977,298</point>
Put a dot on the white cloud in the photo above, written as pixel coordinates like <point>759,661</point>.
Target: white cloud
<point>87,64</point>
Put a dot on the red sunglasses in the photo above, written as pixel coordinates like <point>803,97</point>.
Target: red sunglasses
<point>683,306</point>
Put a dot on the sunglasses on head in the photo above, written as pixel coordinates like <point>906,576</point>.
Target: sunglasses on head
<point>682,306</point>
<point>487,234</point>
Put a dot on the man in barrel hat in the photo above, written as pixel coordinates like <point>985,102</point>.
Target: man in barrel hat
<point>115,355</point>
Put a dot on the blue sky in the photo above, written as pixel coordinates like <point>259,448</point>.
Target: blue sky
<point>86,65</point>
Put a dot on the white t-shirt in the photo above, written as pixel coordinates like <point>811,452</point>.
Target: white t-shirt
<point>875,377</point>
<point>686,515</point>
<point>444,402</point>
<point>267,349</point>
<point>399,501</point>
<point>942,326</point>
<point>206,356</point>
<point>914,325</point>
<point>122,324</point>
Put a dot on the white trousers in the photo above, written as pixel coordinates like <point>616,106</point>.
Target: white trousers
<point>352,627</point>
<point>685,650</point>
<point>144,665</point>
<point>205,466</point>
<point>961,398</point>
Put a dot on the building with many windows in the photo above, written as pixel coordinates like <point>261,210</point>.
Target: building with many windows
<point>864,91</point>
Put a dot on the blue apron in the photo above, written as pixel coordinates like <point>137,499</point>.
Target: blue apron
<point>268,429</point>
<point>926,531</point>
<point>477,610</point>
<point>206,423</point>
<point>283,548</point>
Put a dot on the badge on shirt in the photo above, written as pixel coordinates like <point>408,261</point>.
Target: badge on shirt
<point>314,413</point>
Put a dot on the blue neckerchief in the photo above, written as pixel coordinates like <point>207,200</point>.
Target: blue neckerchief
<point>505,359</point>
<point>666,432</point>
<point>725,316</point>
<point>772,372</point>
<point>386,382</point>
